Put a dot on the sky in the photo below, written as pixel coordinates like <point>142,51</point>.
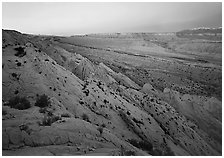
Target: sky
<point>74,18</point>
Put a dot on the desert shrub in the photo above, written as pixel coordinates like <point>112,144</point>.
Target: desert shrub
<point>43,110</point>
<point>85,117</point>
<point>103,125</point>
<point>105,101</point>
<point>134,143</point>
<point>20,52</point>
<point>129,153</point>
<point>81,102</point>
<point>137,121</point>
<point>48,120</point>
<point>49,113</point>
<point>24,127</point>
<point>86,92</point>
<point>128,113</point>
<point>20,103</point>
<point>100,129</point>
<point>156,152</point>
<point>65,115</point>
<point>125,118</point>
<point>144,145</point>
<point>55,118</point>
<point>43,101</point>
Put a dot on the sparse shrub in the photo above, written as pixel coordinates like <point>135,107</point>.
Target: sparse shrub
<point>125,118</point>
<point>20,52</point>
<point>81,102</point>
<point>43,110</point>
<point>156,152</point>
<point>129,153</point>
<point>16,76</point>
<point>43,101</point>
<point>105,101</point>
<point>49,113</point>
<point>55,118</point>
<point>103,125</point>
<point>20,103</point>
<point>144,145</point>
<point>100,129</point>
<point>65,115</point>
<point>18,64</point>
<point>85,117</point>
<point>24,127</point>
<point>48,120</point>
<point>86,92</point>
<point>134,142</point>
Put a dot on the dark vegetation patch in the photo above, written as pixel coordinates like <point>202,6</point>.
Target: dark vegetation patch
<point>86,91</point>
<point>128,153</point>
<point>42,101</point>
<point>43,110</point>
<point>65,115</point>
<point>100,129</point>
<point>18,64</point>
<point>147,146</point>
<point>20,103</point>
<point>48,120</point>
<point>105,101</point>
<point>16,92</point>
<point>144,145</point>
<point>16,76</point>
<point>81,102</point>
<point>137,121</point>
<point>20,52</point>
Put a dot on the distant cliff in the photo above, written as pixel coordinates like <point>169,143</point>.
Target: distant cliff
<point>202,33</point>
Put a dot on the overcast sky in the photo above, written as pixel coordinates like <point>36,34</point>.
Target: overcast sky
<point>83,18</point>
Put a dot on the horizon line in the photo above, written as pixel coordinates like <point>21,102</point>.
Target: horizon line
<point>201,27</point>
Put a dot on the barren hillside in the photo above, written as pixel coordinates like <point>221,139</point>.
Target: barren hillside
<point>119,94</point>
